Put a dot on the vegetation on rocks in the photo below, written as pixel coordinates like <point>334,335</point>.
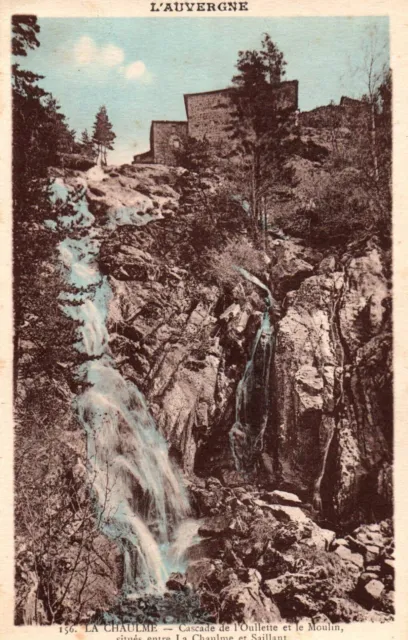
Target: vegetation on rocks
<point>307,534</point>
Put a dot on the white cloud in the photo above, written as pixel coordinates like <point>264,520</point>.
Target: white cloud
<point>87,52</point>
<point>135,70</point>
<point>111,55</point>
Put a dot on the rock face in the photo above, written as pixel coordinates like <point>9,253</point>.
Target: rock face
<point>326,453</point>
<point>170,331</point>
<point>332,379</point>
<point>161,325</point>
<point>329,433</point>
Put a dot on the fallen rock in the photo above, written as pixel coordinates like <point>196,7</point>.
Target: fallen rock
<point>388,567</point>
<point>243,600</point>
<point>176,582</point>
<point>345,610</point>
<point>214,527</point>
<point>371,593</point>
<point>340,542</point>
<point>320,619</point>
<point>374,568</point>
<point>346,554</point>
<point>366,576</point>
<point>198,571</point>
<point>284,513</point>
<point>272,563</point>
<point>372,553</point>
<point>321,539</point>
<point>281,497</point>
<point>275,586</point>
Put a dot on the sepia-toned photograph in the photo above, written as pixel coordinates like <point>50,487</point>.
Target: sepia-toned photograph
<point>202,312</point>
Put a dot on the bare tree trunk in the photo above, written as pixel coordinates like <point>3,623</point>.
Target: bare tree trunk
<point>264,222</point>
<point>254,204</point>
<point>374,141</point>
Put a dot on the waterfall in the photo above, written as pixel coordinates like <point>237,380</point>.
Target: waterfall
<point>140,497</point>
<point>252,396</point>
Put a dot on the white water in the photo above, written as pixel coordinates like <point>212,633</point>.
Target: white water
<point>252,396</point>
<point>141,501</point>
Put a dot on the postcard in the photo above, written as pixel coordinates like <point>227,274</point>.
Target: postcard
<point>202,288</point>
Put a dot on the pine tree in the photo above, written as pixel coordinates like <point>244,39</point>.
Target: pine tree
<point>103,135</point>
<point>40,130</point>
<point>87,146</point>
<point>260,127</point>
<point>24,29</point>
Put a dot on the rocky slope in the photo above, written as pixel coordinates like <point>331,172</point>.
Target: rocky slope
<point>185,345</point>
<point>329,435</point>
<point>306,534</point>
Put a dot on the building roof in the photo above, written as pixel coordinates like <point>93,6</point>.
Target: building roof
<point>169,122</point>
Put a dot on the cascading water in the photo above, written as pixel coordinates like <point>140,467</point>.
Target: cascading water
<point>252,396</point>
<point>140,496</point>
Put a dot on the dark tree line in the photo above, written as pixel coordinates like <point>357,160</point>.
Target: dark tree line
<point>63,564</point>
<point>40,129</point>
<point>41,134</point>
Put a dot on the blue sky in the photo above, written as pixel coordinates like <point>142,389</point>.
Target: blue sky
<point>140,67</point>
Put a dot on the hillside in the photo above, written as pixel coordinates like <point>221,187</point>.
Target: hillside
<point>265,373</point>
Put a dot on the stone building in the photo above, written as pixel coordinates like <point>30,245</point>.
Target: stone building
<point>208,115</point>
<point>166,138</point>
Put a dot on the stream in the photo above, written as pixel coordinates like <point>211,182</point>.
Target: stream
<point>253,393</point>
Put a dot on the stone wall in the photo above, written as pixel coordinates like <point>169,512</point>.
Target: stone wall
<point>287,95</point>
<point>144,158</point>
<point>209,114</point>
<point>166,137</point>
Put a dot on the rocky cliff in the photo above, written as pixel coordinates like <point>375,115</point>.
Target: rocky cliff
<point>305,530</point>
<point>328,439</point>
<point>185,344</point>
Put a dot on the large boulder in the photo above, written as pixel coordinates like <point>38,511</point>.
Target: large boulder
<point>243,601</point>
<point>289,265</point>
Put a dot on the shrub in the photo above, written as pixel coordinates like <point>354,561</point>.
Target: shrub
<point>336,210</point>
<point>221,268</point>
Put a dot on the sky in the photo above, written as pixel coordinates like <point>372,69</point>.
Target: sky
<point>139,68</point>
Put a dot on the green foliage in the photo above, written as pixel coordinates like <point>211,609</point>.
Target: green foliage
<point>40,130</point>
<point>220,267</point>
<point>86,145</point>
<point>212,214</point>
<point>260,127</point>
<point>348,193</point>
<point>258,68</point>
<point>60,551</point>
<point>194,155</point>
<point>24,30</point>
<point>103,135</point>
<point>273,60</point>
